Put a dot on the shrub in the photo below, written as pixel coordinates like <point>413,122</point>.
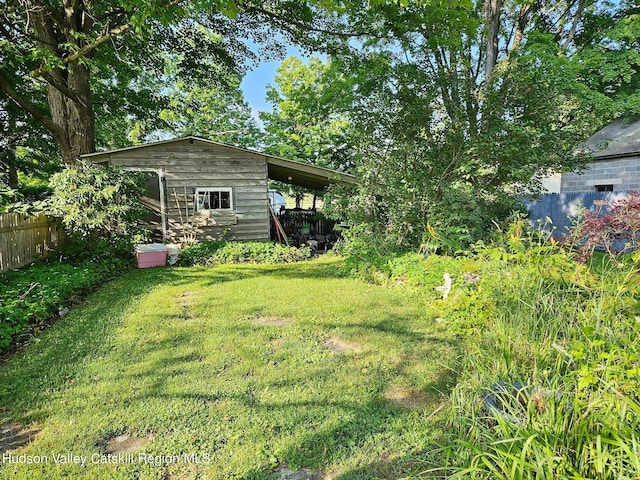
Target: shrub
<point>214,253</point>
<point>619,225</point>
<point>97,201</point>
<point>100,208</point>
<point>571,334</point>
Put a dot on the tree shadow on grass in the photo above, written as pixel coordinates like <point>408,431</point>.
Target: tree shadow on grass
<point>58,354</point>
<point>62,353</point>
<point>327,445</point>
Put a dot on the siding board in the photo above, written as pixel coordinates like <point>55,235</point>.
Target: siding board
<point>191,164</point>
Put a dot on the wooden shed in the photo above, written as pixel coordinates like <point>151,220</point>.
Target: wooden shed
<point>204,190</point>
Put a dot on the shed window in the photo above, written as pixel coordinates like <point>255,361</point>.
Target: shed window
<point>214,199</point>
<point>604,188</point>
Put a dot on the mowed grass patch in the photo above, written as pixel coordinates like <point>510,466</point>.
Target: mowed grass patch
<point>228,372</point>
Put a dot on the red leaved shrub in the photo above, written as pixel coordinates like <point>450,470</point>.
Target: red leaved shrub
<point>615,230</point>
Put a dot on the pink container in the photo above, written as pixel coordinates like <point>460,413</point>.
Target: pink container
<point>151,255</point>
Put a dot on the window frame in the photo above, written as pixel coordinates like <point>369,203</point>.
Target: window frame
<point>604,188</point>
<point>201,190</point>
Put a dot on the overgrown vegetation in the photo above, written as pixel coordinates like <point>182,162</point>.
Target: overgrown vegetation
<point>615,230</point>
<point>551,341</point>
<point>530,317</point>
<point>98,203</point>
<point>32,297</point>
<point>216,253</point>
<point>100,208</point>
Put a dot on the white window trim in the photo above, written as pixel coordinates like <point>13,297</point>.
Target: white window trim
<point>200,190</point>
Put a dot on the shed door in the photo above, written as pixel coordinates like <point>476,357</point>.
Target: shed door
<point>153,199</point>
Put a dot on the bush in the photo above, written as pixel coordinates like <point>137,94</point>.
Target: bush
<point>215,253</point>
<point>616,231</point>
<point>526,313</point>
<point>31,297</point>
<point>100,207</point>
<point>98,202</point>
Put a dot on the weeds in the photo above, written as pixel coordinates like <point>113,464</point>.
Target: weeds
<point>569,332</point>
<point>217,253</point>
<point>30,297</point>
<point>528,315</point>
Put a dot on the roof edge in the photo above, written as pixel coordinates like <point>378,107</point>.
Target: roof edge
<point>346,177</point>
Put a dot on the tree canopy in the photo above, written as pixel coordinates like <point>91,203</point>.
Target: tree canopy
<point>65,65</point>
<point>446,110</point>
<point>456,110</point>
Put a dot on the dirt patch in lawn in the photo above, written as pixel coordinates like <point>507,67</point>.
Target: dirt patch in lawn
<point>284,473</point>
<point>187,299</point>
<point>271,321</point>
<point>124,444</point>
<point>408,397</point>
<point>13,435</point>
<point>339,345</point>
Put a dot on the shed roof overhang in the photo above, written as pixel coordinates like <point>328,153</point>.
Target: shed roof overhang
<point>279,169</point>
<point>304,175</point>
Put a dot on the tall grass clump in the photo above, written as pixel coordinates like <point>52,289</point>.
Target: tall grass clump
<point>549,380</point>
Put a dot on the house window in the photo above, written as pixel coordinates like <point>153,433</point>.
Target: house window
<point>604,188</point>
<point>214,199</point>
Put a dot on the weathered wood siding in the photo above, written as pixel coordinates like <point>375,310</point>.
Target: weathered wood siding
<point>24,239</point>
<point>190,164</point>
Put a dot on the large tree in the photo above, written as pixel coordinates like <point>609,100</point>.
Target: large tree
<point>305,125</point>
<point>105,56</point>
<point>461,108</point>
<point>70,51</point>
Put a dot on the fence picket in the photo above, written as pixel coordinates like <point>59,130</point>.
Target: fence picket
<point>24,239</point>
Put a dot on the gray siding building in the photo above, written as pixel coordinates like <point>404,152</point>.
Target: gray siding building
<point>615,160</point>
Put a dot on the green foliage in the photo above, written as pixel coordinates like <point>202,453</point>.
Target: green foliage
<point>617,230</point>
<point>33,296</point>
<point>570,333</point>
<point>609,56</point>
<point>98,203</point>
<point>100,207</point>
<point>8,196</point>
<point>307,124</point>
<point>216,253</point>
<point>234,362</point>
<point>31,196</point>
<point>440,137</point>
<point>525,312</point>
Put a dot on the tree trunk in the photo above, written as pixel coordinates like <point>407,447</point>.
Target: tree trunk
<point>492,10</point>
<point>68,88</point>
<point>74,116</point>
<point>521,25</point>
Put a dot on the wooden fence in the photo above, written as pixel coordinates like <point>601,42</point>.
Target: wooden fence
<point>563,208</point>
<point>24,239</point>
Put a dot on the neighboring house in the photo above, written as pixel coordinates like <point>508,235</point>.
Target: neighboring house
<point>613,171</point>
<point>615,160</point>
<point>205,190</point>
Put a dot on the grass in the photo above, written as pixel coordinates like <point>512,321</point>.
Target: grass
<point>249,367</point>
<point>570,332</point>
<point>254,368</point>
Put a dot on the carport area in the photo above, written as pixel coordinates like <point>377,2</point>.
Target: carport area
<point>299,226</point>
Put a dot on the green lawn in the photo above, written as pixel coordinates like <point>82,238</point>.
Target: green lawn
<point>243,369</point>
